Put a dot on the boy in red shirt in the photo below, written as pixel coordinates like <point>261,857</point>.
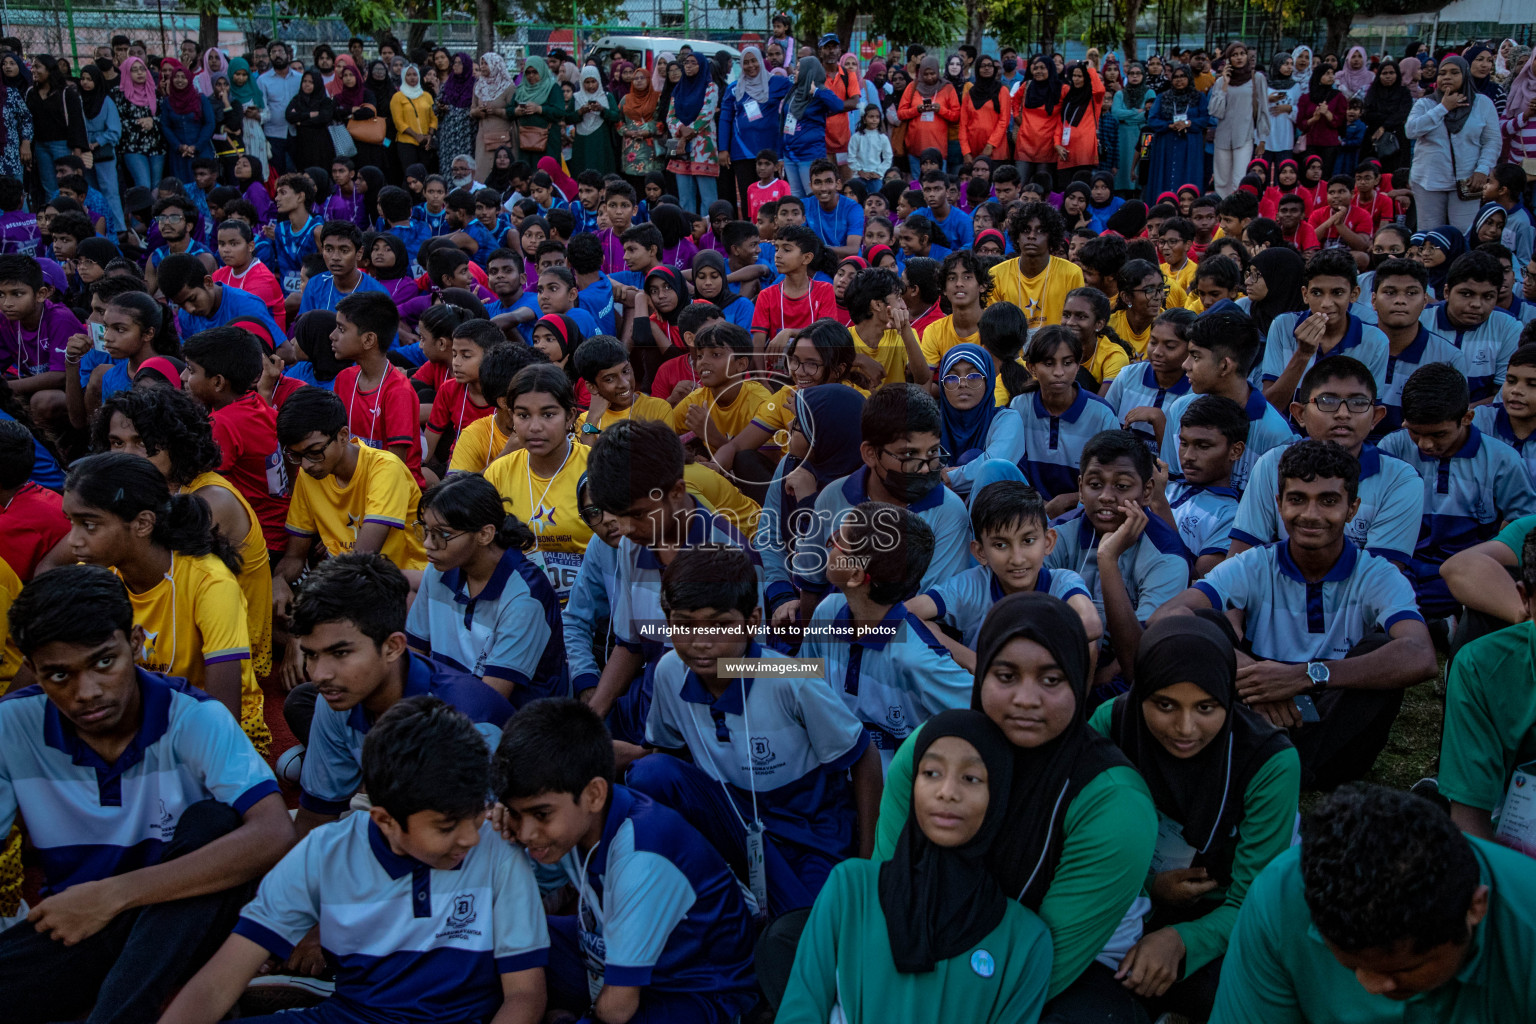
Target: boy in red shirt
<point>1369,197</point>
<point>1291,216</point>
<point>768,186</point>
<point>459,401</point>
<point>796,301</point>
<point>32,518</point>
<point>383,410</point>
<point>1342,224</point>
<point>224,365</point>
<point>242,270</point>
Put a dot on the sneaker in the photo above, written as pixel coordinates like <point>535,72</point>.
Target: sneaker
<point>290,764</point>
<point>272,993</point>
<point>1429,789</point>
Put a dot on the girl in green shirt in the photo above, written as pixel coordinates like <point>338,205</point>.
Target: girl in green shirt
<point>1225,783</point>
<point>929,930</point>
<point>1081,827</point>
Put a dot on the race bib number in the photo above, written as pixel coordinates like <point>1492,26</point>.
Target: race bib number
<point>561,567</point>
<point>292,283</point>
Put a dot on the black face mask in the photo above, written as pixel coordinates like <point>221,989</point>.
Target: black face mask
<point>104,64</point>
<point>279,62</point>
<point>1010,65</point>
<point>1378,258</point>
<point>910,487</point>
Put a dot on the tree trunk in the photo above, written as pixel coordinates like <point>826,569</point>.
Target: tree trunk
<point>416,16</point>
<point>1338,31</point>
<point>485,25</point>
<point>975,23</point>
<point>1128,41</point>
<point>208,29</point>
<point>844,25</point>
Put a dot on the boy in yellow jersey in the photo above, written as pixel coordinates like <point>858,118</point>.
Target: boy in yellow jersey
<point>485,440</point>
<point>882,326</point>
<point>349,496</point>
<point>968,287</point>
<point>179,572</point>
<point>725,401</point>
<point>172,430</point>
<point>538,481</point>
<point>604,364</point>
<point>1142,289</point>
<point>1036,282</point>
<point>1173,241</point>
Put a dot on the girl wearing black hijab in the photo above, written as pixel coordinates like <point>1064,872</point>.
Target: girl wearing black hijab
<point>1273,286</point>
<point>1081,825</point>
<point>1225,783</point>
<point>929,929</point>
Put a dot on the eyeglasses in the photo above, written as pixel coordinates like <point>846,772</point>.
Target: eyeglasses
<point>591,514</point>
<point>170,218</point>
<point>1151,291</point>
<point>919,463</point>
<point>812,366</point>
<point>1331,403</point>
<point>315,453</point>
<point>970,380</point>
<point>437,538</point>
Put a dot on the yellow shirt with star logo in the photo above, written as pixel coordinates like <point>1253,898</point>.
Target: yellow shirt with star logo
<point>940,337</point>
<point>195,617</point>
<point>254,577</point>
<point>1041,297</point>
<point>1120,324</point>
<point>381,491</point>
<point>731,419</point>
<point>478,446</point>
<point>548,507</point>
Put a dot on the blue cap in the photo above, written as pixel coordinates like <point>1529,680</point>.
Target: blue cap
<point>829,39</point>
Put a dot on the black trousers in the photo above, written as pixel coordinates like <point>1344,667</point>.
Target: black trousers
<point>1354,728</point>
<point>299,710</point>
<point>129,969</point>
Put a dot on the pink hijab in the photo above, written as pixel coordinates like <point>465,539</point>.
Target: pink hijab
<point>139,95</point>
<point>334,86</point>
<point>1408,74</point>
<point>1354,83</point>
<point>564,182</point>
<point>1522,88</point>
<point>203,80</point>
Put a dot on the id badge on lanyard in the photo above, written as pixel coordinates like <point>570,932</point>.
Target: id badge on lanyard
<point>753,111</point>
<point>790,124</point>
<point>757,868</point>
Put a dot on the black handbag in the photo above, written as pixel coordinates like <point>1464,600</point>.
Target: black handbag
<point>104,154</point>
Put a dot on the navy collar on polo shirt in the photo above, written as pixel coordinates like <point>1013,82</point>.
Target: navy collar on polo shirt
<point>458,584</point>
<point>1370,460</point>
<point>1443,320</point>
<point>1342,569</point>
<point>1414,352</point>
<point>856,492</point>
<point>398,865</point>
<point>1219,491</point>
<point>621,804</point>
<point>154,718</point>
<point>1079,403</point>
<point>697,532</point>
<point>1469,448</point>
<point>874,639</point>
<point>1255,405</point>
<point>418,681</point>
<point>730,702</point>
<point>1178,388</point>
<point>1042,584</point>
<point>1353,335</point>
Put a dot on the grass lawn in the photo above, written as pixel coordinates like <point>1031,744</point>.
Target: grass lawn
<point>1413,749</point>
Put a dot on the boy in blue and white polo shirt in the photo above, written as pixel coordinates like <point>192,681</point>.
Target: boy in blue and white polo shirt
<point>1390,492</point>
<point>1297,341</point>
<point>1472,483</point>
<point>635,473</point>
<point>137,792</point>
<point>1222,346</point>
<point>1399,293</point>
<point>1513,419</point>
<point>587,612</point>
<point>773,749</point>
<point>900,430</point>
<point>349,622</point>
<point>663,931</point>
<point>1129,569</point>
<point>1310,608</point>
<point>1471,320</point>
<point>891,670</point>
<point>1013,540</point>
<point>1212,433</point>
<point>428,914</point>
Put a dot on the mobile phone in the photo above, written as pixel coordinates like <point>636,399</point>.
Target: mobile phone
<point>98,336</point>
<point>1308,709</point>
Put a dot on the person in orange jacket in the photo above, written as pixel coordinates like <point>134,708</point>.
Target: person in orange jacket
<point>843,81</point>
<point>1037,111</point>
<point>1082,105</point>
<point>984,111</point>
<point>928,107</point>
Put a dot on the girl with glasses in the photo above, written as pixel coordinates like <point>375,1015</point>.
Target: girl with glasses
<point>974,429</point>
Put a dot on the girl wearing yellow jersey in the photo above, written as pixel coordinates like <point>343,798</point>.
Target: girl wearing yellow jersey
<point>539,480</point>
<point>1105,353</point>
<point>823,353</point>
<point>1142,290</point>
<point>490,437</point>
<point>172,431</point>
<point>180,575</point>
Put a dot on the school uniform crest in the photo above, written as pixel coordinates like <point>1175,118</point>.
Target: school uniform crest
<point>762,753</point>
<point>896,716</point>
<point>463,910</point>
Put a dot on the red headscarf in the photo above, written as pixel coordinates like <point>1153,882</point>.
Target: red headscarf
<point>185,100</point>
<point>346,97</point>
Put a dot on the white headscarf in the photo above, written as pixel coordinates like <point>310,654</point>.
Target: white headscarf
<point>591,121</point>
<point>495,83</point>
<point>411,91</point>
<point>1303,77</point>
<point>756,87</point>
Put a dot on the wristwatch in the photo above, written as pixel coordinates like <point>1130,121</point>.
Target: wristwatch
<point>1317,671</point>
<point>587,428</point>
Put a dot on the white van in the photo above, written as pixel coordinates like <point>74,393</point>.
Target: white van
<point>650,46</point>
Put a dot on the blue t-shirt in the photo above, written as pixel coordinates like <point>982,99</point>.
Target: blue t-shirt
<point>835,225</point>
<point>525,301</point>
<point>596,300</point>
<point>805,139</point>
<point>234,304</point>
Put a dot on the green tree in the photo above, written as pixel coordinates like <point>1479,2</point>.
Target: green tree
<point>930,22</point>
